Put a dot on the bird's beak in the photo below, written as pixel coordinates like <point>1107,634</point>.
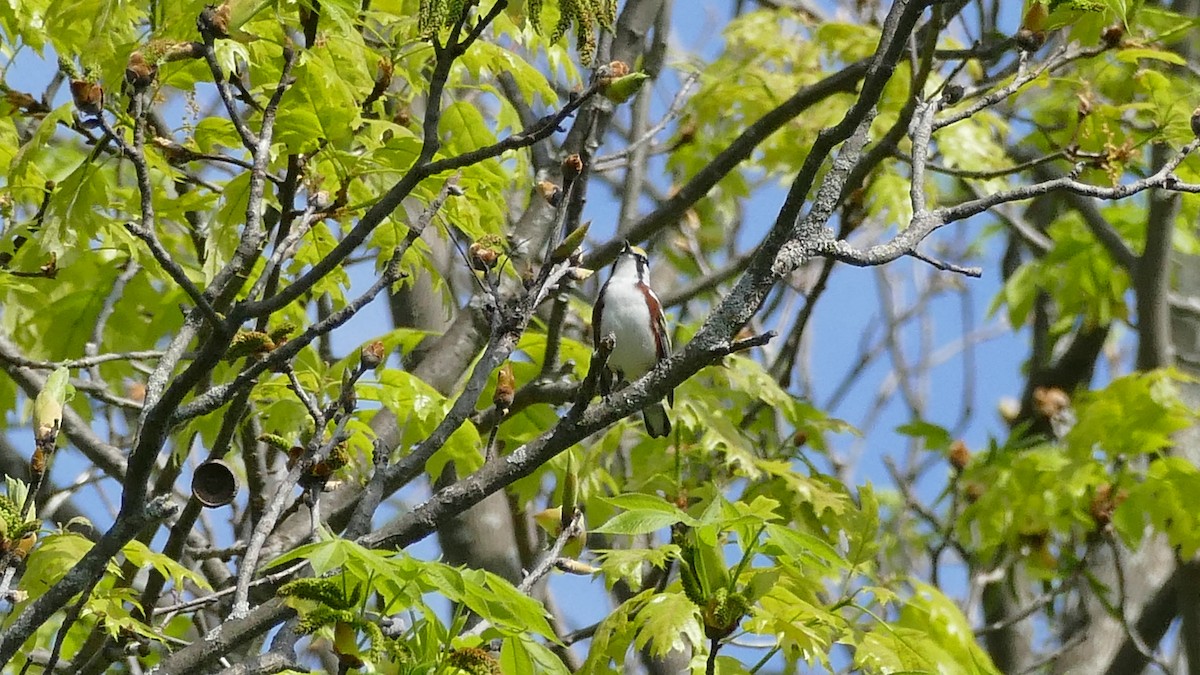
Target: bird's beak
<point>626,248</point>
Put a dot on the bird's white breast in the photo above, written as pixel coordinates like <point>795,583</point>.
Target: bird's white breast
<point>627,317</point>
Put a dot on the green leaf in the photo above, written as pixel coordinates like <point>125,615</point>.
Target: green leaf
<point>50,561</point>
<point>936,438</point>
<point>630,564</point>
<point>668,622</point>
<point>1133,415</point>
<point>643,514</point>
<point>639,522</point>
<point>1134,55</point>
<point>38,146</point>
<point>141,556</point>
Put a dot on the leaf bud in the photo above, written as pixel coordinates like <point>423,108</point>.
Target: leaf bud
<point>48,406</point>
<point>573,566</point>
<point>1050,401</point>
<point>1104,502</point>
<point>570,493</point>
<point>613,70</point>
<point>37,463</point>
<point>570,243</point>
<point>214,21</point>
<point>24,545</point>
<point>687,132</point>
<point>294,454</point>
<point>951,94</point>
<point>505,388</point>
<point>974,491</point>
<point>372,355</point>
<point>1113,35</point>
<point>551,192</point>
<point>550,520</point>
<point>482,256</point>
<point>691,584</point>
<point>88,96</point>
<point>345,645</point>
<point>572,166</point>
<point>1035,17</point>
<point>139,72</point>
<point>622,89</point>
<point>1009,409</point>
<point>960,455</point>
<point>1030,40</point>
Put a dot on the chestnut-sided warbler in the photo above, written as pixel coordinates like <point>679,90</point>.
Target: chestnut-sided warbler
<point>629,309</point>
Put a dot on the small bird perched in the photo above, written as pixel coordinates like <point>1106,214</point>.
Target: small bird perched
<point>629,309</point>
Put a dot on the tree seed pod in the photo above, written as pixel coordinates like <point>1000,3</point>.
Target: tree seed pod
<point>88,96</point>
<point>214,484</point>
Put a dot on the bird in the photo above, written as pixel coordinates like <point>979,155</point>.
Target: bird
<point>627,308</point>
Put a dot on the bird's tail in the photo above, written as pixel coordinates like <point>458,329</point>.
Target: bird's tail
<point>657,422</point>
